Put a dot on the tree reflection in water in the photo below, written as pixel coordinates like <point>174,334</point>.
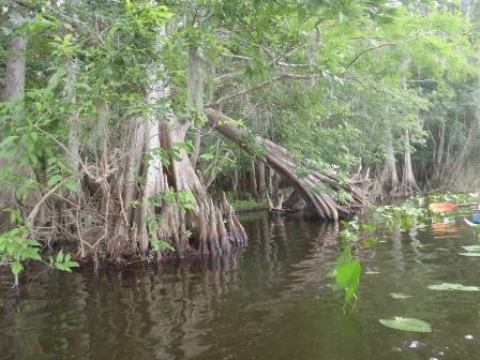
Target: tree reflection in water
<point>172,310</point>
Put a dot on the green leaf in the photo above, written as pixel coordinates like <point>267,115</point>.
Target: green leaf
<point>16,267</point>
<point>400,296</point>
<point>406,324</point>
<point>72,186</point>
<point>54,180</point>
<point>8,140</point>
<point>348,277</point>
<point>450,287</point>
<point>63,262</point>
<point>59,256</point>
<point>472,248</point>
<point>471,254</point>
<point>161,245</point>
<point>368,227</point>
<point>207,156</point>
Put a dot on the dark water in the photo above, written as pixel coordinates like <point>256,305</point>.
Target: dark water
<point>274,301</point>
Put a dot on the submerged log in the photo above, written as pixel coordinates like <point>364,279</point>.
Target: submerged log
<point>314,186</point>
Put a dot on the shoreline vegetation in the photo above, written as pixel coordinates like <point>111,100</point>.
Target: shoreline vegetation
<point>140,129</point>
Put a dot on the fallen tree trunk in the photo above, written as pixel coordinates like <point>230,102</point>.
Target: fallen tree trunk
<point>315,187</point>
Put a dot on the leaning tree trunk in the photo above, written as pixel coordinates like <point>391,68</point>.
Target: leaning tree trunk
<point>315,186</point>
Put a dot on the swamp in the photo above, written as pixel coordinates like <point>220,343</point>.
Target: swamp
<point>240,179</point>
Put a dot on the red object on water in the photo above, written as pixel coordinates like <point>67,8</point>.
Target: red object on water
<point>442,207</point>
<point>445,230</point>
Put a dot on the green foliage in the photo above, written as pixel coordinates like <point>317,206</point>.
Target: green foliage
<point>170,154</point>
<point>407,324</point>
<point>355,230</point>
<point>347,235</point>
<point>16,247</point>
<point>145,17</point>
<point>161,245</point>
<point>457,198</point>
<point>63,261</point>
<point>157,244</point>
<point>183,199</point>
<point>348,270</point>
<point>247,203</point>
<point>404,216</point>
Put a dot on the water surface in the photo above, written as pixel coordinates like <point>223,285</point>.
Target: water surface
<point>273,301</point>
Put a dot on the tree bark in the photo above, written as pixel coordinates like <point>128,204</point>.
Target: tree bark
<point>73,155</point>
<point>70,94</point>
<point>235,181</point>
<point>409,184</point>
<point>262,182</point>
<point>440,154</point>
<point>214,227</point>
<point>313,186</point>
<point>15,68</point>
<point>253,179</point>
<point>195,88</point>
<point>13,90</point>
<point>389,182</point>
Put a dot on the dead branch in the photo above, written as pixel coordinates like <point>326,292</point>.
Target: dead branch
<point>36,208</point>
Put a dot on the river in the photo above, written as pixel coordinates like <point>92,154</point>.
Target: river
<point>275,300</point>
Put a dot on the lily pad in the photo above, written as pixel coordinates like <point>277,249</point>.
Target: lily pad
<point>473,254</point>
<point>407,324</point>
<point>451,287</point>
<point>472,248</point>
<point>400,296</point>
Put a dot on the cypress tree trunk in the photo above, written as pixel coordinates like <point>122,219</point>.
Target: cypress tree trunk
<point>438,161</point>
<point>389,182</point>
<point>70,94</point>
<point>172,203</point>
<point>262,181</point>
<point>214,227</point>
<point>235,181</point>
<point>13,89</point>
<point>14,80</point>
<point>409,184</point>
<point>468,8</point>
<point>253,179</point>
<point>195,91</point>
